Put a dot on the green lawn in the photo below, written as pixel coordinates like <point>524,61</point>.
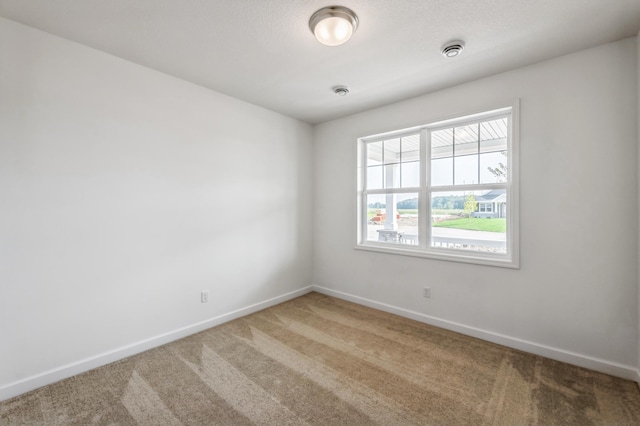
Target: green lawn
<point>447,211</point>
<point>475,224</point>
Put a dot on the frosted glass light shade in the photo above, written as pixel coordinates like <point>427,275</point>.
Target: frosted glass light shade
<point>333,25</point>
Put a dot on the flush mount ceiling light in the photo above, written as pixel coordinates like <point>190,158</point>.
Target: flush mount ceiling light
<point>341,90</point>
<point>452,49</point>
<point>333,25</point>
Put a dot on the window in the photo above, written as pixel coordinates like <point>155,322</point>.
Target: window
<point>485,207</point>
<point>445,190</point>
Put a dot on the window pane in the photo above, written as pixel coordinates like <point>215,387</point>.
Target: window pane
<point>374,177</point>
<point>442,143</point>
<point>493,135</point>
<point>493,148</point>
<point>442,171</point>
<point>410,174</point>
<point>374,153</point>
<point>391,151</point>
<point>466,151</point>
<point>465,136</point>
<point>410,157</point>
<point>466,141</point>
<point>410,146</point>
<point>458,223</point>
<point>493,167</point>
<point>442,157</point>
<point>397,224</point>
<point>392,175</point>
<point>466,170</point>
<point>485,207</point>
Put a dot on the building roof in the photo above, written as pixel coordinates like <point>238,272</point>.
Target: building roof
<point>492,195</point>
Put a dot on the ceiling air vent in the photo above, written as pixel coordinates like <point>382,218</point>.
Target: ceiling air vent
<point>452,49</point>
<point>340,90</point>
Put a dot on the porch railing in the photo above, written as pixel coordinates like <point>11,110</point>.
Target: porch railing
<point>493,246</point>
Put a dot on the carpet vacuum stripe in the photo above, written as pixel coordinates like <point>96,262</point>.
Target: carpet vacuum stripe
<point>318,360</point>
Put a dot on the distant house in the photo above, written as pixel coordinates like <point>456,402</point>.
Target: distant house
<point>493,204</point>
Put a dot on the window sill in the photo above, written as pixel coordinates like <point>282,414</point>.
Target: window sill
<point>446,255</point>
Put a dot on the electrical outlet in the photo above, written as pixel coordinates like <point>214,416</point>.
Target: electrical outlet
<point>426,292</point>
<point>204,296</point>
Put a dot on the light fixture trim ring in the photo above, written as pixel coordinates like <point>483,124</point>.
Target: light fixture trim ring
<point>334,12</point>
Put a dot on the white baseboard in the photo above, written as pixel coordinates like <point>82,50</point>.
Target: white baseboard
<point>596,364</point>
<point>51,376</point>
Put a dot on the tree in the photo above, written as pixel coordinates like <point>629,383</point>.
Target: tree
<point>470,205</point>
<point>448,202</point>
<point>499,172</point>
<point>408,204</point>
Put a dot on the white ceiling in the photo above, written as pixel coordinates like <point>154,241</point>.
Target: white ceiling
<point>263,52</point>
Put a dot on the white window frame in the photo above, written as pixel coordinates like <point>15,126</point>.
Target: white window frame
<point>485,207</point>
<point>423,249</point>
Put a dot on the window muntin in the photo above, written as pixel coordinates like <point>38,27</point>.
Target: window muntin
<point>463,155</point>
<point>393,163</point>
<point>468,159</point>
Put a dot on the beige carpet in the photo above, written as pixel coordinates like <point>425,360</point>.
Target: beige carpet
<point>320,360</point>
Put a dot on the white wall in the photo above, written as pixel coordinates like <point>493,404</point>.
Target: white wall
<point>575,295</point>
<point>124,192</point>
